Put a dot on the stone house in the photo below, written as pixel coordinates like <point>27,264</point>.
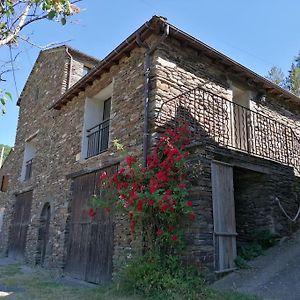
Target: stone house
<point>244,152</point>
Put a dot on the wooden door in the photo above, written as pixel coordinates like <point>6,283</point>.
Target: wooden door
<point>43,236</point>
<point>90,246</point>
<point>19,226</point>
<point>224,216</point>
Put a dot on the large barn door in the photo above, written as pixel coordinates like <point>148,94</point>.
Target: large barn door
<point>90,247</point>
<point>19,226</point>
<point>224,216</point>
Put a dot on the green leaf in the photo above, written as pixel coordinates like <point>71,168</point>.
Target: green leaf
<point>9,95</point>
<point>2,100</point>
<point>63,21</point>
<point>51,14</point>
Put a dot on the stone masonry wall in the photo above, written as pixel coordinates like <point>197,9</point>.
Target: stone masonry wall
<point>58,146</point>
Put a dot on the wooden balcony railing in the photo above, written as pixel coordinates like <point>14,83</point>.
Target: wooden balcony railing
<point>232,125</point>
<point>97,138</point>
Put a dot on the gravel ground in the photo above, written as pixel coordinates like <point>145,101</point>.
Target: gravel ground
<point>275,275</point>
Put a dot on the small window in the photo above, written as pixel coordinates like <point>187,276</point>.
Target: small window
<point>29,155</point>
<point>85,70</point>
<point>4,183</point>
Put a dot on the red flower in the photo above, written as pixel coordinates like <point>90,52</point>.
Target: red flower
<point>189,203</point>
<point>121,171</point>
<point>140,205</point>
<point>192,216</point>
<point>166,197</point>
<point>162,176</point>
<point>172,209</point>
<point>132,225</point>
<point>133,195</point>
<point>130,160</point>
<point>153,186</point>
<point>151,202</point>
<point>174,237</point>
<point>103,176</point>
<point>159,232</point>
<point>168,192</point>
<point>164,207</point>
<point>107,210</point>
<point>170,228</point>
<point>92,213</point>
<point>182,185</point>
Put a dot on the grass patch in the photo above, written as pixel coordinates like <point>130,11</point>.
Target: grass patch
<point>10,270</point>
<point>45,285</point>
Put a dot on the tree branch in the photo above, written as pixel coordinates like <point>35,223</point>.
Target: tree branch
<point>13,34</point>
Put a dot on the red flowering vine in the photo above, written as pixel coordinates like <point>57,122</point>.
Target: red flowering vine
<point>155,197</point>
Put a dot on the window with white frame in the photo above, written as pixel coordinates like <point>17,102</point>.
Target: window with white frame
<point>29,155</point>
<point>95,137</point>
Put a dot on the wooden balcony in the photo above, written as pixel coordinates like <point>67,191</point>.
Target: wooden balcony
<point>231,125</point>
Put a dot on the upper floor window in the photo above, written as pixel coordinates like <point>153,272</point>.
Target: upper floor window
<point>96,124</point>
<point>29,155</point>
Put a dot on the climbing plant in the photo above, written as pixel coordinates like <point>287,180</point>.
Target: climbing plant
<point>154,197</point>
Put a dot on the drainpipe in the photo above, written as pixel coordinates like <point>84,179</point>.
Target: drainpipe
<point>70,69</point>
<point>147,70</point>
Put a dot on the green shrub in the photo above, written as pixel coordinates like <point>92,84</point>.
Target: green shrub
<point>250,251</point>
<point>241,263</point>
<point>156,277</point>
<point>265,238</point>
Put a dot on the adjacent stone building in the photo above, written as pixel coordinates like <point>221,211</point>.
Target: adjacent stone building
<point>244,152</point>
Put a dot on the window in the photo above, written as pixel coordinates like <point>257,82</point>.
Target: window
<point>95,137</point>
<point>29,154</point>
<point>85,70</point>
<point>4,183</point>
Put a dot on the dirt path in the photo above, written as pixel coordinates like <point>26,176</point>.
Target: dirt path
<point>275,275</point>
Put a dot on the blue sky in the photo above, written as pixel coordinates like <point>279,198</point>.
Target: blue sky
<point>257,33</point>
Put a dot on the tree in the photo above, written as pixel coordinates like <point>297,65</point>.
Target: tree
<point>15,15</point>
<point>276,75</point>
<point>292,81</point>
<point>6,151</point>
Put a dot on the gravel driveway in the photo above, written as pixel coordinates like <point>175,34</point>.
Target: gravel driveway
<point>275,275</point>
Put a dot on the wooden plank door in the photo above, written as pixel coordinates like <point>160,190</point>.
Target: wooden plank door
<point>19,226</point>
<point>83,189</point>
<point>90,247</point>
<point>224,216</point>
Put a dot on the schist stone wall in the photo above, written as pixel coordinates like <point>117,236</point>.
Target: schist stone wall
<point>48,80</point>
<point>57,136</point>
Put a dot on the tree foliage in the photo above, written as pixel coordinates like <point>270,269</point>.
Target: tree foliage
<point>291,82</point>
<point>6,151</point>
<point>15,15</point>
<point>276,75</point>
